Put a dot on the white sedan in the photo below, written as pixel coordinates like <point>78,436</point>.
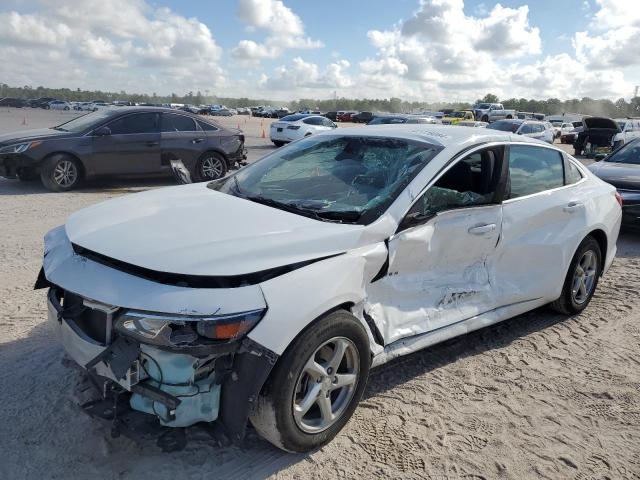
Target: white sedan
<point>329,256</point>
<point>60,105</point>
<point>298,125</point>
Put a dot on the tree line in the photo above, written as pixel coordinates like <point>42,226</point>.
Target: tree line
<point>551,106</point>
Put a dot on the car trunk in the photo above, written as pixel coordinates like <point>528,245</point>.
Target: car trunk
<point>599,131</point>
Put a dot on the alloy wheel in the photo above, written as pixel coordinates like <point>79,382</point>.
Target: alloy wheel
<point>326,385</point>
<point>584,277</point>
<point>65,173</point>
<point>212,168</point>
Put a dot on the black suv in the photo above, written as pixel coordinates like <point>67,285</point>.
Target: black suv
<point>124,140</point>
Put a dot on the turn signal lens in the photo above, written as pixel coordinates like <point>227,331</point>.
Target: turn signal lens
<point>233,326</point>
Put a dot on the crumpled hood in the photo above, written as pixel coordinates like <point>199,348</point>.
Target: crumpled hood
<point>194,230</point>
<point>26,135</point>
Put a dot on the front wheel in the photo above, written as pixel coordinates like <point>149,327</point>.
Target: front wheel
<point>60,173</point>
<point>316,385</point>
<point>582,278</point>
<point>278,143</point>
<point>211,166</point>
<point>485,119</point>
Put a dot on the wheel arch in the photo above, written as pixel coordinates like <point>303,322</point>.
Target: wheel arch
<point>601,237</point>
<point>83,168</point>
<point>217,151</point>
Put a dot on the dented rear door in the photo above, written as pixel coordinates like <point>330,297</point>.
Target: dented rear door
<point>439,273</point>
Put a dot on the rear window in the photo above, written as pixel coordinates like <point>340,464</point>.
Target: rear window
<point>504,125</point>
<point>207,127</point>
<point>294,118</point>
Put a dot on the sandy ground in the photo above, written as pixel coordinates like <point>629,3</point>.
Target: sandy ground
<point>538,396</point>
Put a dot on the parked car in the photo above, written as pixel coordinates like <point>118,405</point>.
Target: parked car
<point>354,248</point>
<point>490,112</point>
<point>345,116</point>
<point>223,112</point>
<point>42,102</point>
<point>528,128</point>
<point>333,116</point>
<point>622,170</point>
<point>597,138</point>
<point>399,119</point>
<point>629,130</point>
<point>569,136</point>
<point>457,116</point>
<point>244,111</point>
<point>280,113</point>
<point>472,123</point>
<point>565,129</point>
<point>126,140</point>
<point>13,102</point>
<point>362,117</point>
<point>60,105</point>
<point>95,106</point>
<point>298,125</point>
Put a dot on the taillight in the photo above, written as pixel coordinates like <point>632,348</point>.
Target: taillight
<point>618,198</point>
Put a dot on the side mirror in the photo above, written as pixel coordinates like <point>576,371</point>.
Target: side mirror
<point>102,132</point>
<point>333,125</point>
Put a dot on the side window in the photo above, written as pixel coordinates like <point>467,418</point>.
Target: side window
<point>571,172</point>
<point>526,128</point>
<point>534,169</point>
<point>177,123</point>
<point>327,123</point>
<point>135,123</point>
<point>471,181</point>
<point>312,121</point>
<point>207,127</point>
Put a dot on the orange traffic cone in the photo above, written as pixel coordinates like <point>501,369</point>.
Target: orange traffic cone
<point>238,126</point>
<point>263,135</point>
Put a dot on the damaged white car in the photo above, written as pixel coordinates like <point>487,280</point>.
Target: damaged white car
<point>268,295</point>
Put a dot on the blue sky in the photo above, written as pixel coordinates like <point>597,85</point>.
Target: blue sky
<point>434,50</point>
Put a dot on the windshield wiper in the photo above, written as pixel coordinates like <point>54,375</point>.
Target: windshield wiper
<point>329,216</point>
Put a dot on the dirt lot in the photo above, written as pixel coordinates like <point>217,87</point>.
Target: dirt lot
<point>538,396</point>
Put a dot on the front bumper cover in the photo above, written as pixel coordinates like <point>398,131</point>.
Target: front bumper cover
<point>178,388</point>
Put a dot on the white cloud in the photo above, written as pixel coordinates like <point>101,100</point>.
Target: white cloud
<point>305,77</point>
<point>112,45</point>
<point>614,37</point>
<point>284,28</point>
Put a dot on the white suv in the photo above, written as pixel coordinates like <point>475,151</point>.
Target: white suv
<point>630,130</point>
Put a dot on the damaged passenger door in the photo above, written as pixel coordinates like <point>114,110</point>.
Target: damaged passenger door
<point>440,268</point>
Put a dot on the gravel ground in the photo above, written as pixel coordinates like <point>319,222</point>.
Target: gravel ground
<point>538,396</point>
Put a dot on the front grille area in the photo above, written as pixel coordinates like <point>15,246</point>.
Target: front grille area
<point>94,323</point>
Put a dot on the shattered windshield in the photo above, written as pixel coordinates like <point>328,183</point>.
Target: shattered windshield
<point>332,178</point>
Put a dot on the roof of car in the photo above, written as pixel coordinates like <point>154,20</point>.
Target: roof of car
<point>443,135</point>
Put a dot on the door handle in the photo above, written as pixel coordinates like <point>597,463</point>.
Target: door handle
<point>572,206</point>
<point>152,144</point>
<point>482,229</point>
<point>197,140</point>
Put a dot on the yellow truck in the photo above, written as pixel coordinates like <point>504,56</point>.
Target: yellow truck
<point>457,116</point>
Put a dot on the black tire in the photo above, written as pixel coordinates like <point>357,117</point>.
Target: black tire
<point>50,170</point>
<point>567,303</point>
<point>210,166</point>
<point>273,416</point>
<point>485,119</point>
<point>577,151</point>
<point>278,143</point>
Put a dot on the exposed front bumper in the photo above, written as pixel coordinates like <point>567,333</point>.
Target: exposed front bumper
<point>11,163</point>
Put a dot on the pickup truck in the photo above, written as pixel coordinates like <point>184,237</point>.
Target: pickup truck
<point>490,112</point>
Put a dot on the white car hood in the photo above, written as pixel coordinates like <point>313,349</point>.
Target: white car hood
<point>194,230</point>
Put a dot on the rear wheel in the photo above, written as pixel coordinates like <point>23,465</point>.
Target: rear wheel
<point>211,166</point>
<point>316,385</point>
<point>278,143</point>
<point>485,119</point>
<point>60,173</point>
<point>582,278</point>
